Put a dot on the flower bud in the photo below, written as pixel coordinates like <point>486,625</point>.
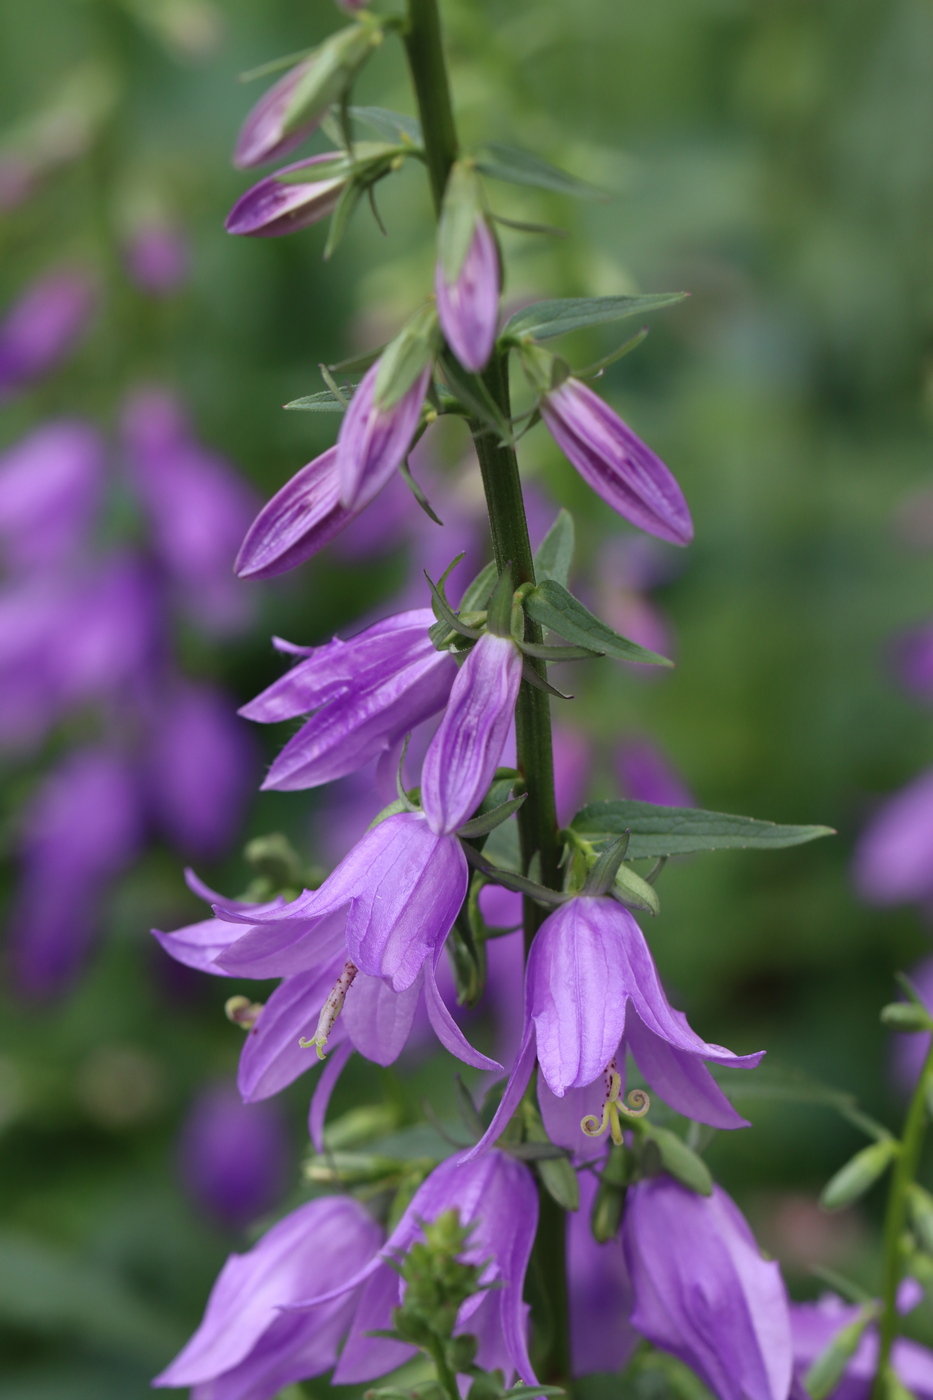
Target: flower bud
<point>858,1174</point>
<point>276,206</point>
<point>466,279</point>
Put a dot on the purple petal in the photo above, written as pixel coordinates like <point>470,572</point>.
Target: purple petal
<point>44,326</point>
<point>198,945</point>
<point>445,1027</point>
<point>271,1057</point>
<point>514,1090</point>
<point>647,776</point>
<point>50,489</point>
<point>278,945</point>
<point>681,1078</point>
<point>894,857</point>
<point>468,309</point>
<point>275,207</point>
<point>300,519</point>
<point>600,1292</point>
<point>373,441</point>
<point>365,1357</point>
<point>615,463</point>
<point>320,1099</point>
<point>463,755</point>
<point>233,1157</point>
<point>378,1020</point>
<point>262,136</point>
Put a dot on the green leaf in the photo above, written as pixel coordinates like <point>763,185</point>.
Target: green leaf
<point>518,167</point>
<point>859,1174</point>
<point>546,319</point>
<point>676,831</point>
<point>552,606</point>
<point>791,1086</point>
<point>827,1370</point>
<point>920,1206</point>
<point>390,126</point>
<point>681,1162</point>
<point>488,821</point>
<point>324,402</point>
<point>906,1016</point>
<point>554,557</point>
<point>557,1174</point>
<point>477,593</point>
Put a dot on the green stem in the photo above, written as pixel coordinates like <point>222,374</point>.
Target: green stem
<point>905,1171</point>
<point>511,546</point>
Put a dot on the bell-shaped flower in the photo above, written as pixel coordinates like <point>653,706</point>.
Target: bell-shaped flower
<point>233,1158</point>
<point>44,326</point>
<point>591,992</point>
<point>815,1326</point>
<point>468,301</point>
<point>894,856</point>
<point>247,1347</point>
<point>703,1292</point>
<point>497,1196</point>
<point>599,1292</point>
<point>276,206</point>
<point>615,462</point>
<point>51,484</point>
<point>376,434</point>
<point>364,694</point>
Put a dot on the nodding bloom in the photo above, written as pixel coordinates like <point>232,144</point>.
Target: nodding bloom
<point>301,518</point>
<point>814,1326</point>
<point>233,1157</point>
<point>703,1292</point>
<point>894,856</point>
<point>51,483</point>
<point>43,327</point>
<point>498,1197</point>
<point>275,206</point>
<point>364,694</point>
<point>247,1347</point>
<point>375,439</point>
<point>615,462</point>
<point>591,992</point>
<point>468,304</point>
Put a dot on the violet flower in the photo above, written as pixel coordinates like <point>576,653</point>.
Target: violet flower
<point>615,462</point>
<point>301,519</point>
<point>43,327</point>
<point>51,483</point>
<point>275,207</point>
<point>158,258</point>
<point>591,992</point>
<point>374,440</point>
<point>233,1157</point>
<point>703,1292</point>
<point>263,136</point>
<point>246,1347</point>
<point>894,857</point>
<point>468,306</point>
<point>600,1293</point>
<point>815,1325</point>
<point>365,695</point>
<point>646,775</point>
<point>497,1196</point>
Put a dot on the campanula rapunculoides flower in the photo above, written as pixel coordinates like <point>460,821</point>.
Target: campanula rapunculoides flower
<point>364,694</point>
<point>496,1195</point>
<point>51,483</point>
<point>468,304</point>
<point>82,827</point>
<point>894,856</point>
<point>599,1293</point>
<point>157,258</point>
<point>703,1291</point>
<point>615,462</point>
<point>300,519</point>
<point>233,1157</point>
<point>275,207</point>
<point>246,1347</point>
<point>374,439</point>
<point>815,1325</point>
<point>43,327</point>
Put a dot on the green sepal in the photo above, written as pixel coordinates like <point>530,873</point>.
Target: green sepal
<point>416,491</point>
<point>672,831</point>
<point>460,212</point>
<point>346,207</point>
<point>350,1168</point>
<point>557,1174</point>
<point>474,397</point>
<point>360,1125</point>
<point>680,1161</point>
<point>406,357</point>
<point>330,69</point>
<point>546,319</point>
<point>906,1016</point>
<point>324,402</point>
<point>554,555</point>
<point>488,821</point>
<point>609,1201</point>
<point>467,961</point>
<point>629,888</point>
<point>400,804</point>
<point>827,1370</point>
<point>859,1174</point>
<point>920,1208</point>
<point>550,605</point>
<point>517,167</point>
<point>511,881</point>
<point>548,653</point>
<point>275,65</point>
<point>390,126</point>
<point>499,607</point>
<point>594,370</point>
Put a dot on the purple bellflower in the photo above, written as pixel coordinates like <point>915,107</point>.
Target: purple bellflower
<point>51,483</point>
<point>274,207</point>
<point>43,327</point>
<point>247,1347</point>
<point>615,462</point>
<point>703,1292</point>
<point>647,776</point>
<point>365,695</point>
<point>233,1157</point>
<point>374,440</point>
<point>158,258</point>
<point>600,1293</point>
<point>300,519</point>
<point>894,856</point>
<point>497,1196</point>
<point>815,1325</point>
<point>591,992</point>
<point>468,306</point>
<point>263,136</point>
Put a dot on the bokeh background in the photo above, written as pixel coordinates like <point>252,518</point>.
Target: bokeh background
<point>773,159</point>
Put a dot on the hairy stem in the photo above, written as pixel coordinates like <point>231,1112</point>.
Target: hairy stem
<point>905,1171</point>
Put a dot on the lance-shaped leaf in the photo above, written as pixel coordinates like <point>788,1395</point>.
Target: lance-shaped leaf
<point>546,319</point>
<point>677,831</point>
<point>390,126</point>
<point>792,1086</point>
<point>324,402</point>
<point>552,606</point>
<point>554,555</point>
<point>518,167</point>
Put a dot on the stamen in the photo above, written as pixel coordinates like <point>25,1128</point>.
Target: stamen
<point>614,1109</point>
<point>242,1012</point>
<point>331,1010</point>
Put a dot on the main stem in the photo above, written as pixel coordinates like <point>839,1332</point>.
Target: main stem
<point>905,1172</point>
<point>537,816</point>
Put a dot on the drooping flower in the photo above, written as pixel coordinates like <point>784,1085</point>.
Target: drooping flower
<point>497,1196</point>
<point>233,1157</point>
<point>375,436</point>
<point>276,206</point>
<point>365,694</point>
<point>43,327</point>
<point>468,304</point>
<point>894,857</point>
<point>599,1293</point>
<point>591,992</point>
<point>157,258</point>
<point>815,1325</point>
<point>247,1347</point>
<point>300,519</point>
<point>703,1292</point>
<point>615,462</point>
<point>51,483</point>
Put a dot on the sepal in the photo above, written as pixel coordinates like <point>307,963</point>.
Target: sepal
<point>829,1367</point>
<point>551,606</point>
<point>461,209</point>
<point>859,1174</point>
<point>405,358</point>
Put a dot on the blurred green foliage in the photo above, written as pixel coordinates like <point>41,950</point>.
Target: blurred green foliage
<point>773,159</point>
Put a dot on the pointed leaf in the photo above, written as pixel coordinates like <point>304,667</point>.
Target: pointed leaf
<point>390,126</point>
<point>477,593</point>
<point>488,821</point>
<point>324,402</point>
<point>518,167</point>
<point>552,606</point>
<point>554,557</point>
<point>672,831</point>
<point>546,319</point>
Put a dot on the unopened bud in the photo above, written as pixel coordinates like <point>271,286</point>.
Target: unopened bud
<point>828,1368</point>
<point>858,1174</point>
<point>906,1016</point>
<point>242,1012</point>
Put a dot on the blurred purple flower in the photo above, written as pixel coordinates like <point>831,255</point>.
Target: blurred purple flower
<point>373,441</point>
<point>81,828</point>
<point>468,307</point>
<point>703,1292</point>
<point>615,463</point>
<point>158,258</point>
<point>600,1293</point>
<point>815,1325</point>
<point>43,327</point>
<point>893,861</point>
<point>200,767</point>
<point>646,775</point>
<point>51,483</point>
<point>233,1158</point>
<point>275,207</point>
<point>198,508</point>
<point>246,1347</point>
